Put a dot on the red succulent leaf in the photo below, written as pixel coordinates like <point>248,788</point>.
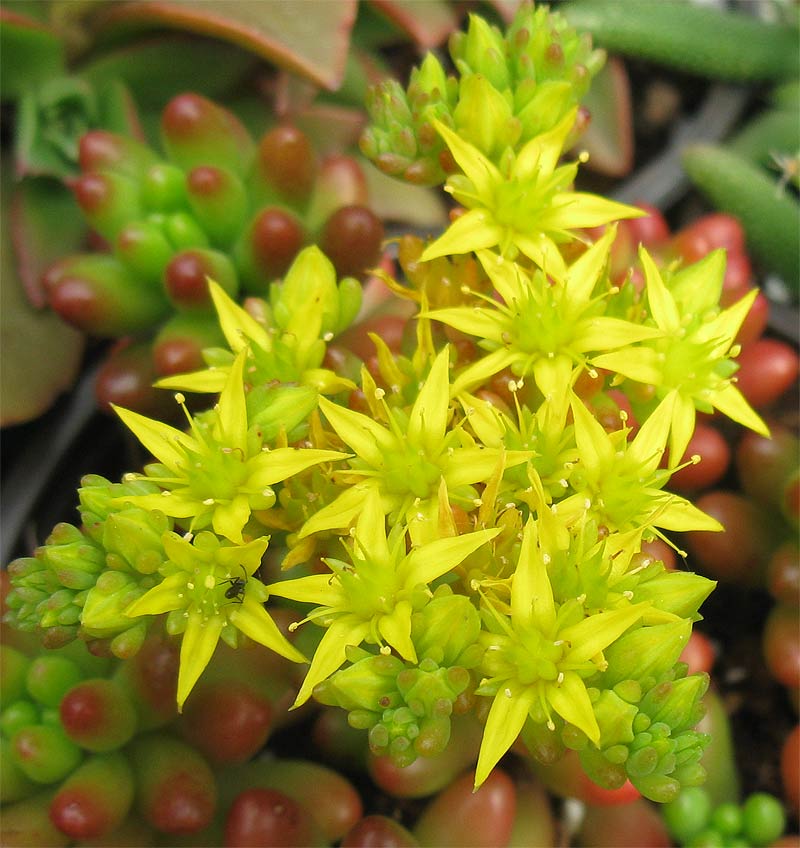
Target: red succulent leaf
<point>313,43</point>
<point>428,23</point>
<point>609,136</point>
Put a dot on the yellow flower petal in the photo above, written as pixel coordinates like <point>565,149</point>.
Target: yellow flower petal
<point>395,627</point>
<point>197,647</point>
<point>212,380</point>
<point>238,326</point>
<point>369,439</point>
<point>330,653</point>
<point>571,701</point>
<point>168,595</point>
<point>254,621</point>
<point>426,563</point>
<point>474,230</point>
<point>428,417</point>
<point>228,519</point>
<point>531,592</point>
<point>662,304</point>
<point>478,169</point>
<point>160,439</point>
<point>505,721</point>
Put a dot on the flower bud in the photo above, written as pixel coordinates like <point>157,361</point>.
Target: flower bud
<point>483,117</point>
<point>367,684</point>
<point>72,557</point>
<point>284,407</point>
<point>677,703</point>
<point>614,718</point>
<point>482,50</point>
<point>646,652</point>
<point>305,303</point>
<point>61,609</point>
<point>539,107</point>
<point>104,608</point>
<point>133,535</point>
<point>96,495</point>
<point>677,592</point>
<point>446,629</point>
<point>430,79</point>
<point>195,131</point>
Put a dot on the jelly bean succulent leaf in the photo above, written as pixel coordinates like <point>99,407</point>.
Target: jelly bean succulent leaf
<point>372,597</point>
<point>200,577</point>
<point>219,472</point>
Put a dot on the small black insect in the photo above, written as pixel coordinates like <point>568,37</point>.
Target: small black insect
<point>235,592</point>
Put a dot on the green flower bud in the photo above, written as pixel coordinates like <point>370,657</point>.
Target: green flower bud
<point>306,303</point>
<point>658,787</point>
<point>677,703</point>
<point>543,46</point>
<point>646,652</point>
<point>73,557</point>
<point>545,745</point>
<point>614,718</point>
<point>62,608</point>
<point>126,644</point>
<point>104,608</point>
<point>482,50</point>
<point>678,592</point>
<point>483,117</point>
<point>96,496</point>
<point>368,684</point>
<point>351,295</point>
<point>539,107</point>
<point>134,535</point>
<point>446,631</point>
<point>429,79</point>
<point>276,408</point>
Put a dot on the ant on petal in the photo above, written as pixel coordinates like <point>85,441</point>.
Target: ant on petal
<point>235,592</point>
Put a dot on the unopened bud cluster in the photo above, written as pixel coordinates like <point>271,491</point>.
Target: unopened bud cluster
<point>510,88</point>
